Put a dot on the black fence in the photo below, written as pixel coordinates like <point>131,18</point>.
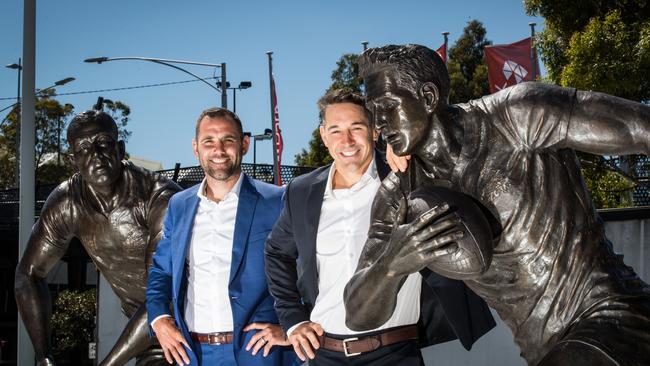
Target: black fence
<point>190,176</point>
<point>637,169</point>
<point>185,177</point>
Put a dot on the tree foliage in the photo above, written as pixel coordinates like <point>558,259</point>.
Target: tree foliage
<point>467,68</point>
<point>346,74</point>
<point>53,163</point>
<point>73,322</point>
<point>601,45</point>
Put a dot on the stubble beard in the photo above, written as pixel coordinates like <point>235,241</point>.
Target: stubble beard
<point>221,174</point>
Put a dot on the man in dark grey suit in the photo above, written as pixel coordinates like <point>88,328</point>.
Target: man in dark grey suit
<point>315,245</point>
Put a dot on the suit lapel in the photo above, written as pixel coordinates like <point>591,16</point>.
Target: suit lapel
<point>184,237</point>
<point>248,197</point>
<point>312,218</point>
<point>382,168</point>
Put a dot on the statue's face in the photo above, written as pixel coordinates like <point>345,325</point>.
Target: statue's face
<point>402,117</point>
<point>219,147</point>
<point>97,155</point>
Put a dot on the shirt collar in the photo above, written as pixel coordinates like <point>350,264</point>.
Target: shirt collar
<point>369,175</point>
<point>232,194</point>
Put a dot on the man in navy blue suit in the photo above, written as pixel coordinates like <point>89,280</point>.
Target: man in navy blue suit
<point>209,264</point>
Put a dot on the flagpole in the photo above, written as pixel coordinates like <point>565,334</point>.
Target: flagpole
<point>446,35</point>
<point>533,54</point>
<point>276,170</point>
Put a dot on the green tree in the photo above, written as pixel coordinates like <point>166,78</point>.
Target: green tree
<point>53,163</point>
<point>346,74</point>
<point>467,68</point>
<point>601,45</point>
<point>73,324</point>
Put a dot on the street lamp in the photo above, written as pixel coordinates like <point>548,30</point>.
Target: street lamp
<point>167,62</point>
<point>242,85</point>
<point>38,93</point>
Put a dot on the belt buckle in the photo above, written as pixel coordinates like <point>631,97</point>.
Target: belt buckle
<point>345,347</point>
<point>214,339</point>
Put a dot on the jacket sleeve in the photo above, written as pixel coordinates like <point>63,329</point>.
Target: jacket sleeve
<point>159,282</point>
<point>281,256</point>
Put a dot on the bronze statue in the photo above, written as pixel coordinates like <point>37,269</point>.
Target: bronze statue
<point>116,210</point>
<point>553,277</point>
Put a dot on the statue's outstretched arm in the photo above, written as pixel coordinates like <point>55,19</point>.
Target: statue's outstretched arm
<point>607,125</point>
<point>32,294</point>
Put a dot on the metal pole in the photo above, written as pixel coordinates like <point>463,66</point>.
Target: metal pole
<point>27,138</point>
<point>234,100</point>
<point>446,36</point>
<point>17,176</point>
<point>533,54</point>
<point>276,171</point>
<point>224,87</point>
<point>365,45</point>
<point>254,157</point>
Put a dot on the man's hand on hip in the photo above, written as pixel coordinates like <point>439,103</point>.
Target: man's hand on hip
<point>304,339</point>
<point>267,336</point>
<point>171,340</point>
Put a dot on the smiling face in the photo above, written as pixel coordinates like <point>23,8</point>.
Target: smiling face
<point>97,155</point>
<point>403,118</point>
<point>219,146</point>
<point>348,137</point>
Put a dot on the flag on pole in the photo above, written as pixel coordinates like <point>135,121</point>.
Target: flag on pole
<point>442,51</point>
<point>276,130</point>
<point>509,64</point>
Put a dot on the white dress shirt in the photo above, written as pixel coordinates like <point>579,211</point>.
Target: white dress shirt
<point>207,304</point>
<point>342,233</point>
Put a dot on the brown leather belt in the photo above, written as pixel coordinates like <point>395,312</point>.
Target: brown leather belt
<point>212,338</point>
<point>357,345</point>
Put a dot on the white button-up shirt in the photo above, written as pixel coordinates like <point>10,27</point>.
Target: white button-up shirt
<point>207,304</point>
<point>342,233</point>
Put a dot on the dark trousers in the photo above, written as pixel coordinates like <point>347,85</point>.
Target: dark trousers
<point>405,353</point>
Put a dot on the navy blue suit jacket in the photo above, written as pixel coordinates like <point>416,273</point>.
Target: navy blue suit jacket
<point>258,208</point>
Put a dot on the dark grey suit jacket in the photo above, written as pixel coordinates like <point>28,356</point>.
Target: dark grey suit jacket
<point>449,309</point>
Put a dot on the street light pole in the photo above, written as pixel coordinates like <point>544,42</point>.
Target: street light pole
<point>242,85</point>
<point>27,194</point>
<point>267,135</point>
<point>224,92</point>
<point>170,63</point>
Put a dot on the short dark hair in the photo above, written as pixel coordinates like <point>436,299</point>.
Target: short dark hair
<point>216,112</point>
<point>414,65</point>
<point>342,95</point>
<point>92,116</point>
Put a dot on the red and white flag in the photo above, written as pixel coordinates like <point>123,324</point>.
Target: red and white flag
<point>509,64</point>
<point>442,51</point>
<point>276,130</point>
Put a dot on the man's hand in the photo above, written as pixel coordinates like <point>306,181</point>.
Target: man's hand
<point>305,337</point>
<point>47,361</point>
<point>396,163</point>
<point>413,246</point>
<point>267,336</point>
<point>171,340</point>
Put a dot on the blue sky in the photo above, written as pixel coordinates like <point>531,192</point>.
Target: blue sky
<point>307,38</point>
